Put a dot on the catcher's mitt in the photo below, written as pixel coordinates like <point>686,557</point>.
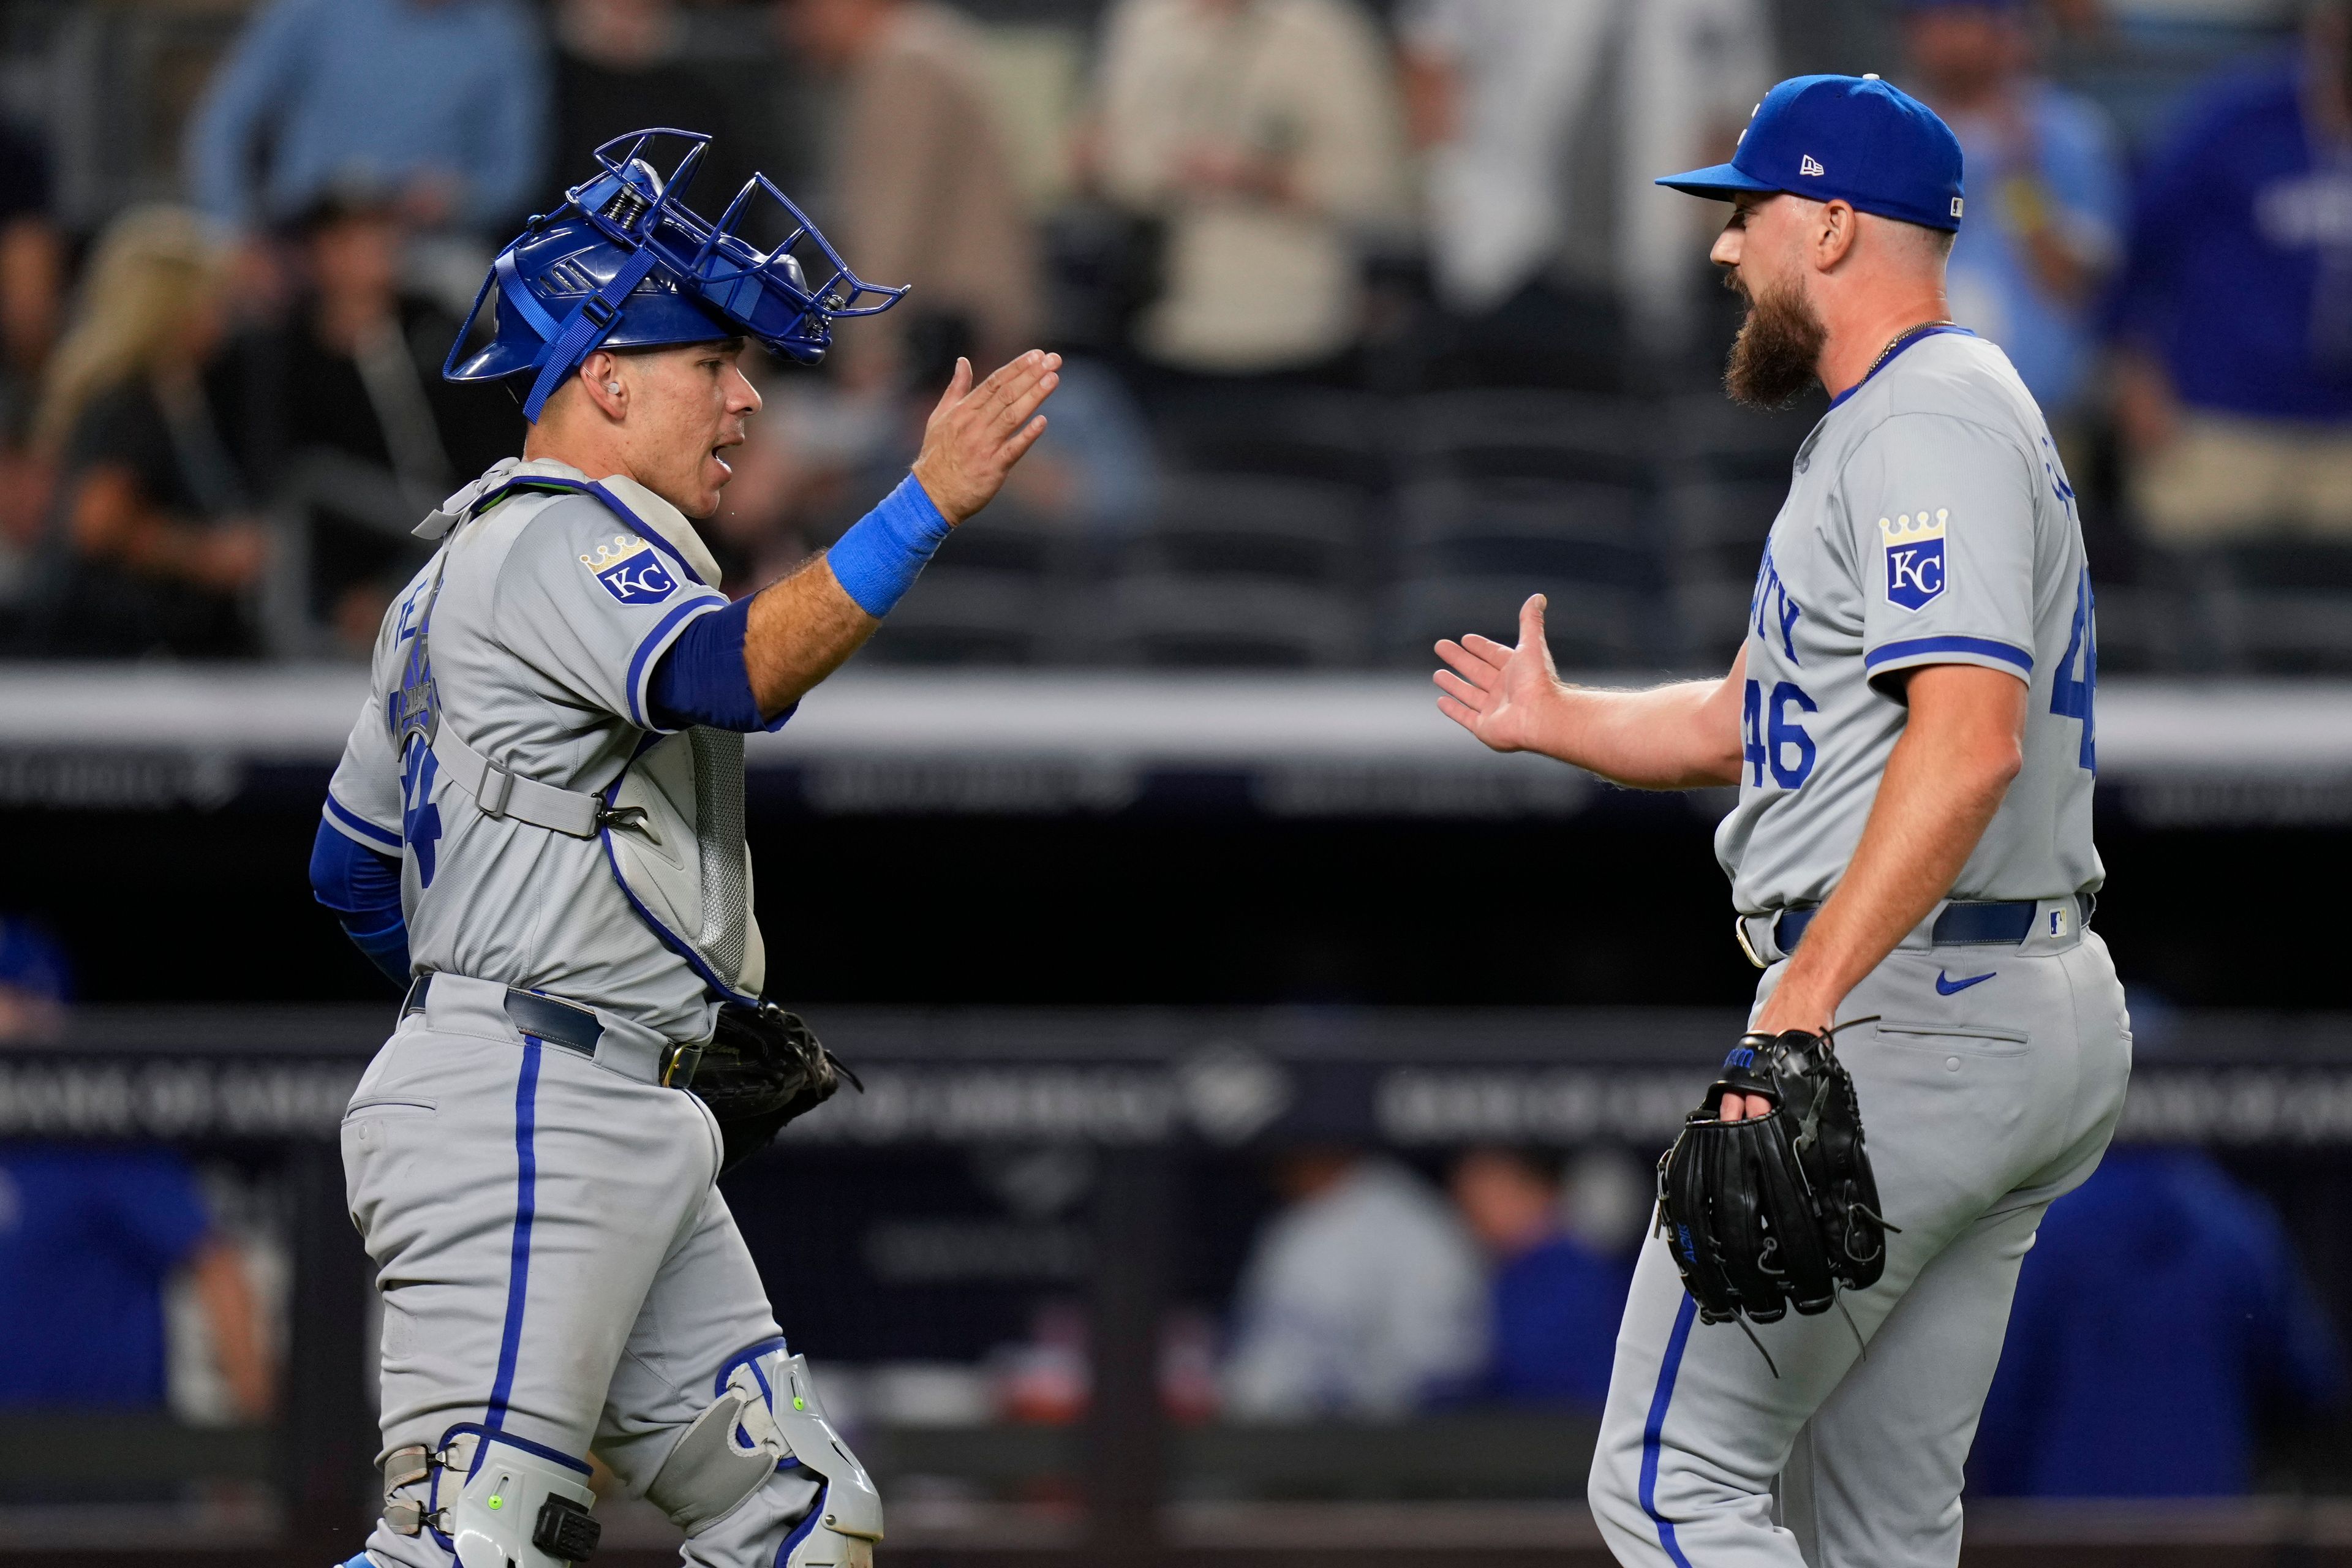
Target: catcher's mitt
<point>761,1069</point>
<point>1777,1210</point>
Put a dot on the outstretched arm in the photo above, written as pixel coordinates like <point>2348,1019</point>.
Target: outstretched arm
<point>1683,736</point>
<point>802,628</point>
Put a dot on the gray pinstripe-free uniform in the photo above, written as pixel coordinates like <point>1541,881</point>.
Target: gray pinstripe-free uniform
<point>1928,521</point>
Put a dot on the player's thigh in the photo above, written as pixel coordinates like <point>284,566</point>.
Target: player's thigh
<point>705,1307</point>
<point>515,1229</point>
<point>1874,1479</point>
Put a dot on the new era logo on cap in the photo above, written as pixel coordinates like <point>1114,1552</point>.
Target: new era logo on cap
<point>1808,167</point>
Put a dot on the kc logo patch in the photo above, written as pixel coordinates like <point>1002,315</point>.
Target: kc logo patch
<point>1914,557</point>
<point>642,579</point>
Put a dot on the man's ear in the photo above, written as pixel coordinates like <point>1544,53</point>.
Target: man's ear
<point>1836,227</point>
<point>600,379</point>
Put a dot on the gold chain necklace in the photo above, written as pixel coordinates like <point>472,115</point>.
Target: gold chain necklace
<point>1898,340</point>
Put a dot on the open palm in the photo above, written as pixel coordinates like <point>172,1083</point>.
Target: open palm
<point>1497,693</point>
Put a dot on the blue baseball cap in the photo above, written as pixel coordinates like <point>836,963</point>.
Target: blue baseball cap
<point>1844,138</point>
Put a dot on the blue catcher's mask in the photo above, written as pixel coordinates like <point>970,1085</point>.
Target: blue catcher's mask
<point>625,263</point>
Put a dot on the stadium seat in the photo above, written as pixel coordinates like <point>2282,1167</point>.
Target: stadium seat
<point>2283,605</point>
<point>1571,531</point>
<point>1588,628</point>
<point>957,615</point>
<point>1194,623</point>
<point>1523,434</point>
<point>1209,525</point>
<point>1296,433</point>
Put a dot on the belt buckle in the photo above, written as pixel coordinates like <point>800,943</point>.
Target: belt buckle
<point>679,1064</point>
<point>1739,935</point>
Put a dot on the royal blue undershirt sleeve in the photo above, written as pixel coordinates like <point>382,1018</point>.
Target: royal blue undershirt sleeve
<point>702,678</point>
<point>363,887</point>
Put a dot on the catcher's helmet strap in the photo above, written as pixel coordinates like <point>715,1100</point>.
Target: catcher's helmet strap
<point>589,323</point>
<point>526,304</point>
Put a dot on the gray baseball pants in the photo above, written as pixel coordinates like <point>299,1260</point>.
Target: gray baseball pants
<point>1982,1100</point>
<point>553,1257</point>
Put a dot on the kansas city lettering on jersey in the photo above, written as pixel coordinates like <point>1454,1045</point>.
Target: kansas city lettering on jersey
<point>1914,557</point>
<point>631,572</point>
<point>1772,611</point>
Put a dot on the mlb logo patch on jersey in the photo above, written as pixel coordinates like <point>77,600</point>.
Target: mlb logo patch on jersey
<point>631,572</point>
<point>1914,557</point>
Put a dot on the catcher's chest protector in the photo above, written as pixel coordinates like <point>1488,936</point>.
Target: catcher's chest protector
<point>678,847</point>
<point>672,822</point>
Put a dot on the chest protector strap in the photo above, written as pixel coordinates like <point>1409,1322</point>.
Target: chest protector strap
<point>501,793</point>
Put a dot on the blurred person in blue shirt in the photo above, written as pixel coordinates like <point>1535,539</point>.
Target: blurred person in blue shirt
<point>2046,192</point>
<point>1554,1301</point>
<point>2234,309</point>
<point>2160,1306</point>
<point>444,101</point>
<point>91,1236</point>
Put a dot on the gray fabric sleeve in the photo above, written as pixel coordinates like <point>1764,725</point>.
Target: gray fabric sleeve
<point>364,797</point>
<point>1942,516</point>
<point>593,605</point>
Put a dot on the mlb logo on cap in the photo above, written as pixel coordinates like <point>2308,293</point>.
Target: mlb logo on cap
<point>1844,138</point>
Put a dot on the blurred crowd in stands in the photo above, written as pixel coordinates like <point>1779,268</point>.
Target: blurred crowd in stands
<point>1375,320</point>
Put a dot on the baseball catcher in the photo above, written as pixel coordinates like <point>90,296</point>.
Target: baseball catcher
<point>537,829</point>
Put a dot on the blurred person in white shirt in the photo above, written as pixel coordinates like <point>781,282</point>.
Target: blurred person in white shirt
<point>1540,123</point>
<point>1363,1297</point>
<point>1266,137</point>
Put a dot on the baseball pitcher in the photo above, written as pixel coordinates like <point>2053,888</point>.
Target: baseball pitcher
<point>537,828</point>
<point>1813,1324</point>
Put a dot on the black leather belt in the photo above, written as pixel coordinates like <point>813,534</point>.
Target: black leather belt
<point>576,1029</point>
<point>2001,924</point>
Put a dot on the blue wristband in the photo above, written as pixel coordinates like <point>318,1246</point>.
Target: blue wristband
<point>877,560</point>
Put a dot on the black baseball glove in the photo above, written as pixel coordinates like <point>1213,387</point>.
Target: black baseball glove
<point>1777,1210</point>
<point>761,1069</point>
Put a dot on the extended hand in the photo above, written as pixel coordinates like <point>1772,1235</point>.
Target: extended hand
<point>976,434</point>
<point>1498,693</point>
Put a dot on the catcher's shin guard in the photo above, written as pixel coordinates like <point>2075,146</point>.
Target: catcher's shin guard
<point>765,1418</point>
<point>493,1499</point>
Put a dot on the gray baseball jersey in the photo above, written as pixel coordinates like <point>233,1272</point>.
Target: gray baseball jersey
<point>1929,522</point>
<point>551,616</point>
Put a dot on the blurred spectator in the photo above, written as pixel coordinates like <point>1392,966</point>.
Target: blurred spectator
<point>922,189</point>
<point>617,70</point>
<point>445,100</point>
<point>1543,122</point>
<point>347,401</point>
<point>1555,1302</point>
<point>147,549</point>
<point>1264,137</point>
<point>90,1239</point>
<point>1361,1297</point>
<point>2160,1303</point>
<point>2234,397</point>
<point>31,296</point>
<point>2045,192</point>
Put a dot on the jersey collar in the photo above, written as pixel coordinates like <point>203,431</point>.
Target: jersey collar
<point>1902,346</point>
<point>667,525</point>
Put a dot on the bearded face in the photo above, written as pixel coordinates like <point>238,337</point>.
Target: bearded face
<point>1779,344</point>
